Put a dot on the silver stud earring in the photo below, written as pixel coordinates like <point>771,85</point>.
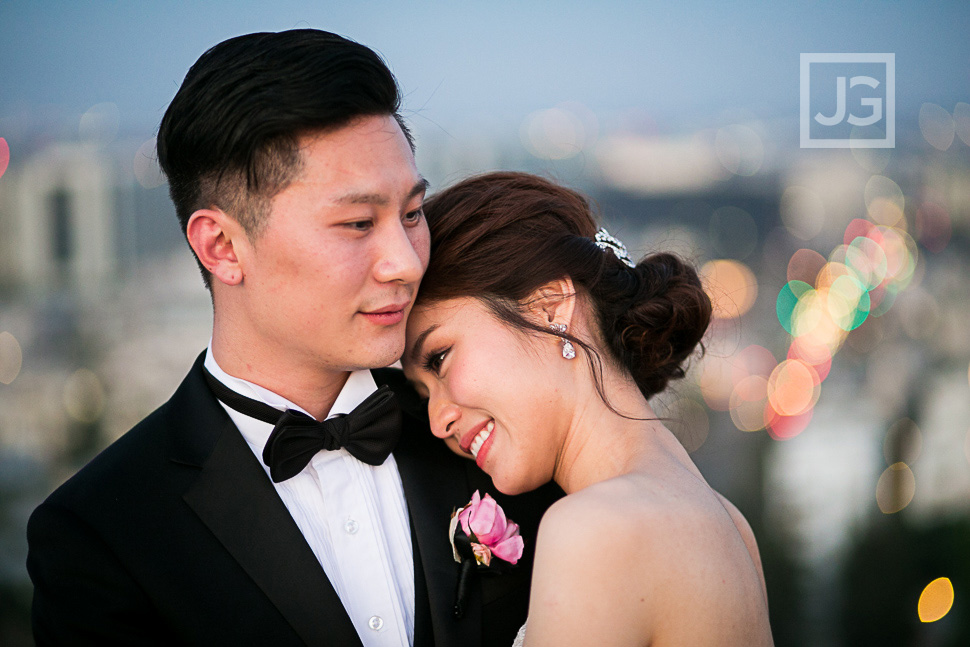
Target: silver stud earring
<point>568,352</point>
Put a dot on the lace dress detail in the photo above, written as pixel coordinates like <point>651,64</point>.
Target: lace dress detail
<point>520,637</point>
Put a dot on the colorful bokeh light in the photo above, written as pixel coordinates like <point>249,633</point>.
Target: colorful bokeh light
<point>84,396</point>
<point>785,427</point>
<point>827,298</point>
<point>881,188</point>
<point>690,422</point>
<point>937,126</point>
<point>903,442</point>
<point>936,600</point>
<point>961,121</point>
<point>11,358</point>
<point>732,287</point>
<point>748,403</point>
<point>793,387</point>
<point>715,381</point>
<point>895,488</point>
<point>804,266</point>
<point>4,156</point>
<point>788,300</point>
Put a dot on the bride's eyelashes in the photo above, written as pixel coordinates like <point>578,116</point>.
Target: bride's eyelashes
<point>433,360</point>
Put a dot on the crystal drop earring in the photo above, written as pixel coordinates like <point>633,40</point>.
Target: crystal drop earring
<point>568,352</point>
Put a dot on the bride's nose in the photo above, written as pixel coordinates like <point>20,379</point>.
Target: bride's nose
<point>444,417</point>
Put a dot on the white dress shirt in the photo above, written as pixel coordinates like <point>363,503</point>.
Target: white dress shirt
<point>353,516</point>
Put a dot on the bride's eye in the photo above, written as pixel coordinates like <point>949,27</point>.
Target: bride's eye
<point>432,362</point>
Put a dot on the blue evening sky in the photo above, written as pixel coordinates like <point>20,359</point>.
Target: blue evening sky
<point>463,63</point>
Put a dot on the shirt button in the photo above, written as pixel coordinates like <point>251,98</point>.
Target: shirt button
<point>351,527</point>
<point>375,623</point>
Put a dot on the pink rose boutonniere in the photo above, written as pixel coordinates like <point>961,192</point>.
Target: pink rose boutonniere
<point>482,538</point>
<point>488,531</point>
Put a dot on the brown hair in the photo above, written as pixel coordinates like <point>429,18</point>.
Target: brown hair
<point>500,236</point>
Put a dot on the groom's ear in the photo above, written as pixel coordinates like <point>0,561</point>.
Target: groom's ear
<point>553,302</point>
<point>217,239</point>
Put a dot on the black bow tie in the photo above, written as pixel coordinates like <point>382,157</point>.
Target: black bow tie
<point>369,432</point>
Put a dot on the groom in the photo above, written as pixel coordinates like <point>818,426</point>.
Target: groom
<point>294,182</point>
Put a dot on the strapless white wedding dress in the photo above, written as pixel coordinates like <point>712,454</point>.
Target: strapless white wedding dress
<point>520,637</point>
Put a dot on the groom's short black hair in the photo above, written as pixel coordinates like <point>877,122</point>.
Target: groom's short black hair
<point>229,139</point>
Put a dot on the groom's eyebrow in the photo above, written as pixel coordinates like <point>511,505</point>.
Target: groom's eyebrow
<point>380,199</point>
<point>419,343</point>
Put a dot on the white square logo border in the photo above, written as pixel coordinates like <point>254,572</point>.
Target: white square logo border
<point>889,60</point>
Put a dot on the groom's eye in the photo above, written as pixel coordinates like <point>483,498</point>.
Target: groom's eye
<point>414,216</point>
<point>360,225</point>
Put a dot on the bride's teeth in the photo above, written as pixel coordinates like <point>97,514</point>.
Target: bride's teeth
<point>481,438</point>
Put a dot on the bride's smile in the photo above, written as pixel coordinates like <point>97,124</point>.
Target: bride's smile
<point>495,394</point>
<point>479,439</point>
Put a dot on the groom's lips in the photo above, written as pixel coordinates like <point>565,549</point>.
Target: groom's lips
<point>388,315</point>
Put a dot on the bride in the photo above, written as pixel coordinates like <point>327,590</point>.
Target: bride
<point>538,344</point>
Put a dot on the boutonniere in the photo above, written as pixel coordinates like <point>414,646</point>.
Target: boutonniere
<point>482,538</point>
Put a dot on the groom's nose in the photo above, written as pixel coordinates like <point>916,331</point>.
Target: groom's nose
<point>403,256</point>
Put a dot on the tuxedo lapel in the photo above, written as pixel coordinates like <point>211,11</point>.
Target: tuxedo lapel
<point>434,485</point>
<point>236,501</point>
<point>423,630</point>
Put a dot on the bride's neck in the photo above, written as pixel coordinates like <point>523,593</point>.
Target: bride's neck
<point>601,443</point>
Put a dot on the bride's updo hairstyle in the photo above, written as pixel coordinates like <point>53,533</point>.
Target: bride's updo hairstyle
<point>500,236</point>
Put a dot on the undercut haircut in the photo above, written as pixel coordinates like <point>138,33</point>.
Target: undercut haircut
<point>230,137</point>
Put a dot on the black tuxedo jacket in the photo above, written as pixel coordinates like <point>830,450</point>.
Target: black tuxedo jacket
<point>175,535</point>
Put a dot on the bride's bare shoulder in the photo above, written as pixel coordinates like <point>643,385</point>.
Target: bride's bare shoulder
<point>581,590</point>
<point>659,525</point>
<point>611,525</point>
<point>620,543</point>
<point>646,553</point>
<point>747,534</point>
<point>638,507</point>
